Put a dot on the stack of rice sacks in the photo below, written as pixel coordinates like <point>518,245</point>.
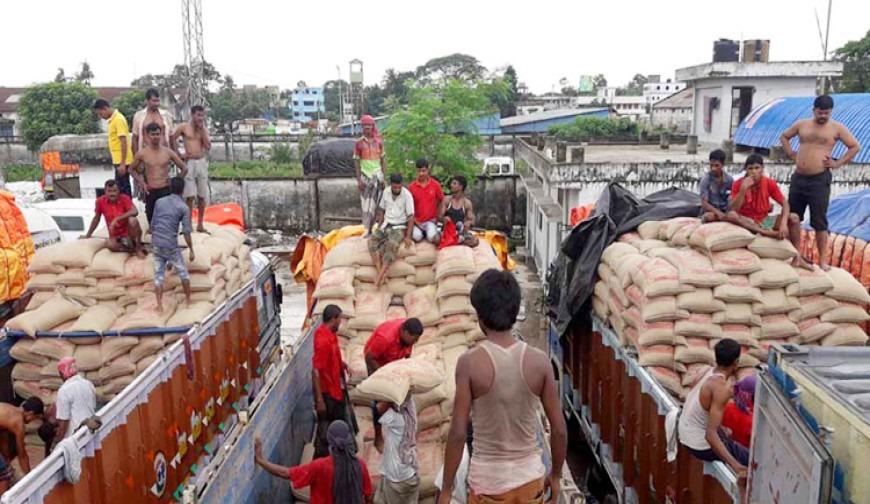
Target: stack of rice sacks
<point>83,286</point>
<point>425,283</point>
<point>674,288</point>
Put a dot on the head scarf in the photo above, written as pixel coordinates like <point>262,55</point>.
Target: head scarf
<point>744,394</point>
<point>347,473</point>
<point>367,120</point>
<point>66,367</point>
<point>408,446</point>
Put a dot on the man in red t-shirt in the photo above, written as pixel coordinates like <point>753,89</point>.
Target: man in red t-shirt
<point>428,196</point>
<point>750,207</point>
<point>341,465</point>
<point>327,367</point>
<point>125,234</point>
<point>390,341</point>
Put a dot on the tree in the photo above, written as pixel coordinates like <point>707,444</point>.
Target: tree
<point>461,67</point>
<point>438,124</point>
<point>634,87</point>
<point>509,107</point>
<point>223,110</point>
<point>61,75</point>
<point>855,56</point>
<point>599,81</point>
<point>129,102</point>
<point>373,100</point>
<point>85,74</point>
<point>177,78</point>
<point>331,100</point>
<point>396,84</point>
<point>56,108</point>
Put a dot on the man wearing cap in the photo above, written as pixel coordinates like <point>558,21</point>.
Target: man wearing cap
<point>76,399</point>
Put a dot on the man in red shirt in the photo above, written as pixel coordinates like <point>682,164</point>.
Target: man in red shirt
<point>340,478</point>
<point>750,206</point>
<point>125,234</point>
<point>428,196</point>
<point>390,341</point>
<point>327,367</point>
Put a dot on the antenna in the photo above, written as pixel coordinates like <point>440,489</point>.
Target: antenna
<point>191,26</point>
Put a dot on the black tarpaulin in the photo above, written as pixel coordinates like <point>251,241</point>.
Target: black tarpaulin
<point>572,275</point>
<point>330,157</point>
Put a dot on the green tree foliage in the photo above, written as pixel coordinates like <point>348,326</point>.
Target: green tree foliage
<point>177,78</point>
<point>634,87</point>
<point>461,67</point>
<point>374,100</point>
<point>395,84</point>
<point>584,129</point>
<point>438,124</point>
<point>61,75</point>
<point>56,108</point>
<point>508,108</point>
<point>599,81</point>
<point>129,102</point>
<point>855,56</point>
<point>331,100</point>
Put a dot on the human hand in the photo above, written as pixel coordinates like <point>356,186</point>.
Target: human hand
<point>192,255</point>
<point>320,406</point>
<point>748,183</point>
<point>360,184</point>
<point>407,243</point>
<point>829,163</point>
<point>552,483</point>
<point>258,449</point>
<point>122,169</point>
<point>740,470</point>
<point>445,495</point>
<point>783,232</point>
<point>113,223</point>
<point>447,219</point>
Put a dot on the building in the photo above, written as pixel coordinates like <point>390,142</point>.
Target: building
<point>549,101</point>
<point>674,112</point>
<point>541,122</point>
<point>654,92</point>
<point>726,92</point>
<point>763,127</point>
<point>307,103</point>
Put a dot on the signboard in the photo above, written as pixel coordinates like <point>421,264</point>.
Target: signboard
<point>587,84</point>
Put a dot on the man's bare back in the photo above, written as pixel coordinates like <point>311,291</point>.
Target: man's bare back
<point>196,140</point>
<point>10,419</point>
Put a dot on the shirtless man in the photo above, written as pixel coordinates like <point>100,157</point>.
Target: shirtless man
<point>196,145</point>
<point>811,181</point>
<point>155,159</point>
<point>151,114</point>
<point>12,420</point>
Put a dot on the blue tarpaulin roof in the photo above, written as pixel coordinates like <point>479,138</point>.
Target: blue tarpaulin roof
<point>763,126</point>
<point>849,214</point>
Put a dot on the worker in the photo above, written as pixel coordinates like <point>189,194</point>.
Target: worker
<point>390,341</point>
<point>76,399</point>
<point>715,189</point>
<point>151,114</point>
<point>370,168</point>
<point>327,369</point>
<point>125,233</point>
<point>750,199</point>
<point>459,210</point>
<point>703,409</point>
<point>428,197</point>
<point>169,212</point>
<point>811,182</point>
<point>737,417</point>
<point>500,386</point>
<point>400,482</point>
<point>13,420</point>
<point>460,481</point>
<point>395,221</point>
<point>196,146</point>
<point>153,160</point>
<point>340,478</point>
<point>120,143</point>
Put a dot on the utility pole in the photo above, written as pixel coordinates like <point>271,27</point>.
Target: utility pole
<point>340,96</point>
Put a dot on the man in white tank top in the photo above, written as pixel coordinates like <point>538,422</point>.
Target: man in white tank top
<point>701,418</point>
<point>500,385</point>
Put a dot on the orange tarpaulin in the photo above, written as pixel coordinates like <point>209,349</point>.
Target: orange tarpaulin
<point>226,214</point>
<point>16,249</point>
<point>580,213</point>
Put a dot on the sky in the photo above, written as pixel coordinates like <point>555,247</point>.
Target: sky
<point>282,42</point>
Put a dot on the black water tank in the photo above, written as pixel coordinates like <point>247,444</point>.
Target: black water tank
<point>726,50</point>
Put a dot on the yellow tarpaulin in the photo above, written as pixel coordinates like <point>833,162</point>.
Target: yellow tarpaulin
<point>16,249</point>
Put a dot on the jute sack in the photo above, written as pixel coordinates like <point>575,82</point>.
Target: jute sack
<point>38,298</point>
<point>88,357</point>
<point>185,316</point>
<point>455,324</point>
<point>143,364</point>
<point>117,367</point>
<point>777,327</point>
<point>75,277</point>
<point>213,296</point>
<point>386,385</point>
<point>366,274</point>
<point>97,318</point>
<point>422,304</point>
<point>625,266</point>
<point>424,275</point>
<point>396,312</point>
<point>451,261</point>
<point>427,399</point>
<point>346,305</point>
<point>79,253</point>
<point>846,335</point>
<point>428,418</point>
<point>137,271</point>
<point>53,348</point>
<point>671,226</point>
<point>718,236</point>
<point>700,301</point>
<point>453,286</point>
<point>45,260</point>
<point>370,309</point>
<point>735,262</point>
<point>694,268</point>
<point>615,251</point>
<point>400,286</point>
<point>30,388</point>
<point>114,386</point>
<point>846,313</point>
<point>693,373</point>
<point>50,371</point>
<point>775,301</point>
<point>657,355</point>
<point>740,333</point>
<point>455,340</point>
<point>810,282</point>
<point>650,229</point>
<point>22,351</point>
<point>846,288</point>
<point>698,326</point>
<point>667,378</point>
<point>648,334</point>
<point>401,269</point>
<point>774,274</point>
<point>696,351</point>
<point>107,264</point>
<point>425,254</point>
<point>473,336</point>
<point>772,248</point>
<point>43,282</point>
<point>737,313</point>
<point>115,346</point>
<point>657,277</point>
<point>335,282</point>
<point>353,356</point>
<point>26,371</point>
<point>349,252</point>
<point>814,306</point>
<point>430,353</point>
<point>145,314</point>
<point>813,329</point>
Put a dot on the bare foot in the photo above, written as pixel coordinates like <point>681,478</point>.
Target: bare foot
<point>200,229</point>
<point>159,308</point>
<point>825,266</point>
<point>770,233</point>
<point>800,262</point>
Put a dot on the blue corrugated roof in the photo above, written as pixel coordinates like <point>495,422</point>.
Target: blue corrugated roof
<point>763,126</point>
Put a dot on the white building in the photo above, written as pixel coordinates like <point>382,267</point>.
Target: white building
<point>674,112</point>
<point>726,92</point>
<point>654,92</point>
<point>633,107</point>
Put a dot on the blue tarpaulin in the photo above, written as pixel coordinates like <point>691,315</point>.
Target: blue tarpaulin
<point>849,214</point>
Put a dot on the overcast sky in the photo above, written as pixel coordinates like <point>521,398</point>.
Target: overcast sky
<point>282,42</point>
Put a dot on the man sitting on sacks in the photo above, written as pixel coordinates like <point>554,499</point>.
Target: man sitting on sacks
<point>125,234</point>
<point>395,219</point>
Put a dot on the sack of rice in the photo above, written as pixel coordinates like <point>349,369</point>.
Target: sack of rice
<point>45,260</point>
<point>114,386</point>
<point>22,351</point>
<point>615,251</point>
<point>335,282</point>
<point>670,227</point>
<point>605,274</point>
<point>737,313</point>
<point>774,274</point>
<point>774,301</point>
<point>474,335</point>
<point>646,247</point>
<point>740,333</point>
<point>43,282</point>
<point>846,288</point>
<point>396,312</point>
<point>366,274</point>
<point>846,335</point>
<point>667,378</point>
<point>629,238</point>
<point>97,318</point>
<point>624,268</point>
<point>658,356</point>
<point>26,389</point>
<point>454,305</point>
<point>146,315</point>
<point>846,313</point>
<point>814,306</point>
<point>422,304</point>
<point>772,248</point>
<point>401,269</point>
<point>698,325</point>
<point>346,305</point>
<point>388,384</point>
<point>693,374</point>
<point>53,348</point>
<point>75,277</point>
<point>700,301</point>
<point>810,282</point>
<point>658,277</point>
<point>26,371</point>
<point>38,298</point>
<point>143,364</point>
<point>695,351</point>
<point>370,309</point>
<point>430,398</point>
<point>189,315</point>
<point>424,275</point>
<point>201,262</point>
<point>694,268</point>
<point>425,254</point>
<point>656,309</point>
<point>88,357</point>
<point>649,230</point>
<point>719,236</point>
<point>455,324</point>
<point>453,286</point>
<point>813,329</point>
<point>107,264</point>
<point>120,366</point>
<point>649,334</point>
<point>115,346</point>
<point>454,261</point>
<point>735,262</point>
<point>79,253</point>
<point>216,296</point>
<point>400,286</point>
<point>683,234</point>
<point>107,290</point>
<point>148,345</point>
<point>137,271</point>
<point>50,371</point>
<point>776,327</point>
<point>618,298</point>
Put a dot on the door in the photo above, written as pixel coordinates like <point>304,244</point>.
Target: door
<point>741,106</point>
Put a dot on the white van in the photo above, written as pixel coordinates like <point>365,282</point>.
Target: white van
<point>43,229</point>
<point>73,216</point>
<point>498,166</point>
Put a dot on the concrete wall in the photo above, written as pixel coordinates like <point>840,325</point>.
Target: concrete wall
<point>321,204</point>
<point>16,153</point>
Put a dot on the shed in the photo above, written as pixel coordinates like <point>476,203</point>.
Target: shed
<point>540,122</point>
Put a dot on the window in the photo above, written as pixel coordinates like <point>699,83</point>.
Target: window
<point>308,103</point>
<point>69,223</point>
<point>540,220</point>
<point>295,103</point>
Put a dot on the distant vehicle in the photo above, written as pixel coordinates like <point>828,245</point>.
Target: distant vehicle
<point>44,230</point>
<point>498,166</point>
<point>71,215</point>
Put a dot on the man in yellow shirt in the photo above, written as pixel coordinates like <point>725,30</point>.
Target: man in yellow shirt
<point>120,145</point>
